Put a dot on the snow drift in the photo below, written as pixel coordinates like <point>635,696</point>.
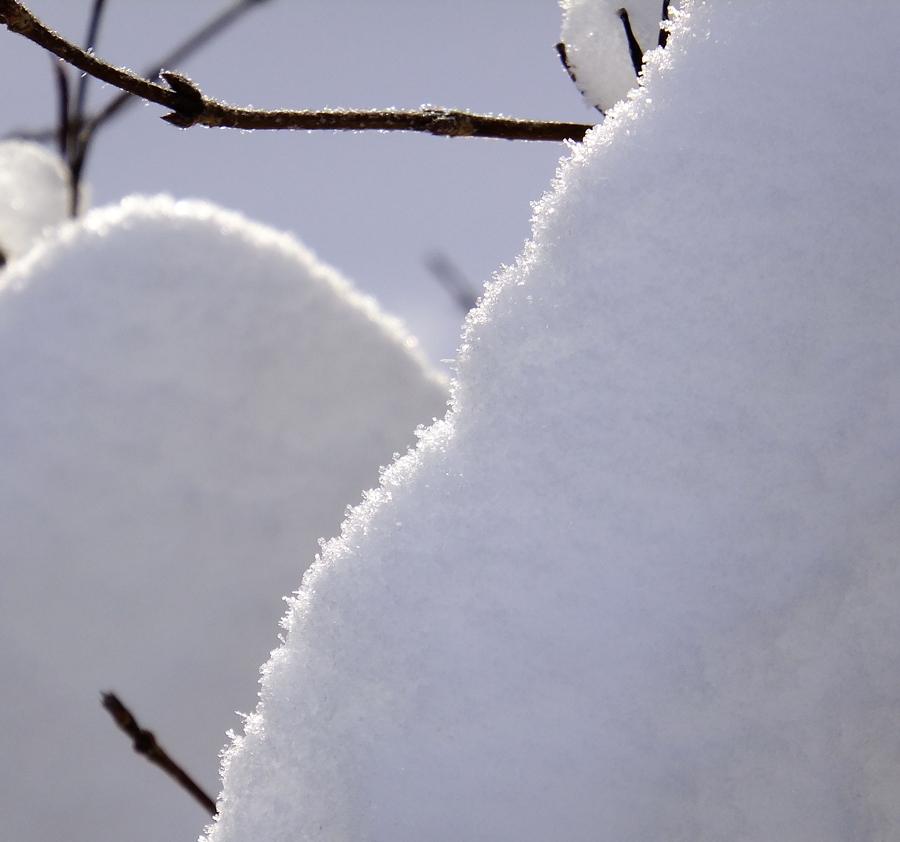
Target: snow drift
<point>643,583</point>
<point>188,401</point>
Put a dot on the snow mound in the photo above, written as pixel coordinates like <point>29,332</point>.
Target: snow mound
<point>33,195</point>
<point>643,583</point>
<point>188,401</point>
<point>597,50</point>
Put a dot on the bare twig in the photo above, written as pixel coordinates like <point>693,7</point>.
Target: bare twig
<point>36,135</point>
<point>72,122</point>
<point>145,743</point>
<point>189,107</point>
<point>452,279</point>
<point>80,131</point>
<point>663,31</point>
<point>90,41</point>
<point>635,51</point>
<point>115,106</point>
<point>62,97</point>
<point>634,48</point>
<point>189,46</point>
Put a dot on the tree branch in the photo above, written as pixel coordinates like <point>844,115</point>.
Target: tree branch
<point>634,48</point>
<point>189,107</point>
<point>90,41</point>
<point>64,110</point>
<point>452,279</point>
<point>193,43</point>
<point>145,743</point>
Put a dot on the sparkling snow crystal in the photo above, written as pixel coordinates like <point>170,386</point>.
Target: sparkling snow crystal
<point>188,401</point>
<point>643,583</point>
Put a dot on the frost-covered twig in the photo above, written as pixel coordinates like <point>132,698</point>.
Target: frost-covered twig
<point>189,46</point>
<point>76,131</point>
<point>145,743</point>
<point>189,107</point>
<point>186,48</point>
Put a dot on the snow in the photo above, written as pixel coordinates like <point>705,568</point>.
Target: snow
<point>597,51</point>
<point>642,583</point>
<point>188,401</point>
<point>33,195</point>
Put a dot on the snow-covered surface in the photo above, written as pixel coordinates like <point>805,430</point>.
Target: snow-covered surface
<point>643,583</point>
<point>188,401</point>
<point>33,195</point>
<point>597,50</point>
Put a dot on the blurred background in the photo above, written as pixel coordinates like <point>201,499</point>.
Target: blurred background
<point>378,207</point>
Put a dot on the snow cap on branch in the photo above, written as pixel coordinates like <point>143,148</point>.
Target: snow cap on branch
<point>601,40</point>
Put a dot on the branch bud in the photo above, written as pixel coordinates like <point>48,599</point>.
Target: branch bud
<point>190,103</point>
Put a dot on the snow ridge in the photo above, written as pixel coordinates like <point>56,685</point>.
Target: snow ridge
<point>643,583</point>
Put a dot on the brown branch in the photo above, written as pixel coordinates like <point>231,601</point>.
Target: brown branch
<point>193,43</point>
<point>189,107</point>
<point>145,743</point>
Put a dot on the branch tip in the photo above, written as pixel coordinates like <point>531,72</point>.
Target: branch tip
<point>144,742</point>
<point>181,84</point>
<point>190,105</point>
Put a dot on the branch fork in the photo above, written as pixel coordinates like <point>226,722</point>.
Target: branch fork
<point>188,106</point>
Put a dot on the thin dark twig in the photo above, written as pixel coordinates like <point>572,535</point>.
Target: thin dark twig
<point>85,130</point>
<point>36,135</point>
<point>77,157</point>
<point>452,279</point>
<point>72,147</point>
<point>663,31</point>
<point>563,53</point>
<point>206,33</point>
<point>62,96</point>
<point>187,48</point>
<point>634,48</point>
<point>90,41</point>
<point>145,743</point>
<point>79,138</point>
<point>189,107</point>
